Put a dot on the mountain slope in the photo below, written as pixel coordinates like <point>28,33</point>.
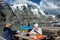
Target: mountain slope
<point>29,12</point>
<point>25,12</point>
<point>6,13</point>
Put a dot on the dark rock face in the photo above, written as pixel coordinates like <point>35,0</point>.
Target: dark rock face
<point>2,17</point>
<point>6,14</point>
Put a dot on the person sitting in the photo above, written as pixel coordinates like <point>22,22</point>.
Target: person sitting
<point>36,29</point>
<point>27,27</point>
<point>7,32</point>
<point>37,32</point>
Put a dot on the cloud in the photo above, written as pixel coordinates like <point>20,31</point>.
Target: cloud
<point>50,6</point>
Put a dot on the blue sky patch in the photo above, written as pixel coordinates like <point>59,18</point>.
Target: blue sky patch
<point>36,1</point>
<point>9,1</point>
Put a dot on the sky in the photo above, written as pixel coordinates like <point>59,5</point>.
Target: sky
<point>11,1</point>
<point>36,1</point>
<point>49,6</point>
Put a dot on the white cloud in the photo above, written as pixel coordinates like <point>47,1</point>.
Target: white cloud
<point>50,6</point>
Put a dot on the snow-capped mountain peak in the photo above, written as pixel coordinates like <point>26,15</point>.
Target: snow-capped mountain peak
<point>27,6</point>
<point>30,8</point>
<point>19,6</point>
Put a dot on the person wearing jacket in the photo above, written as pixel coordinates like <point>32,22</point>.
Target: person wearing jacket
<point>7,32</point>
<point>36,29</point>
<point>37,33</point>
<point>27,27</point>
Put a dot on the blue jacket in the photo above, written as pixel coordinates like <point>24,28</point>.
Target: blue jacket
<point>25,27</point>
<point>8,33</point>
